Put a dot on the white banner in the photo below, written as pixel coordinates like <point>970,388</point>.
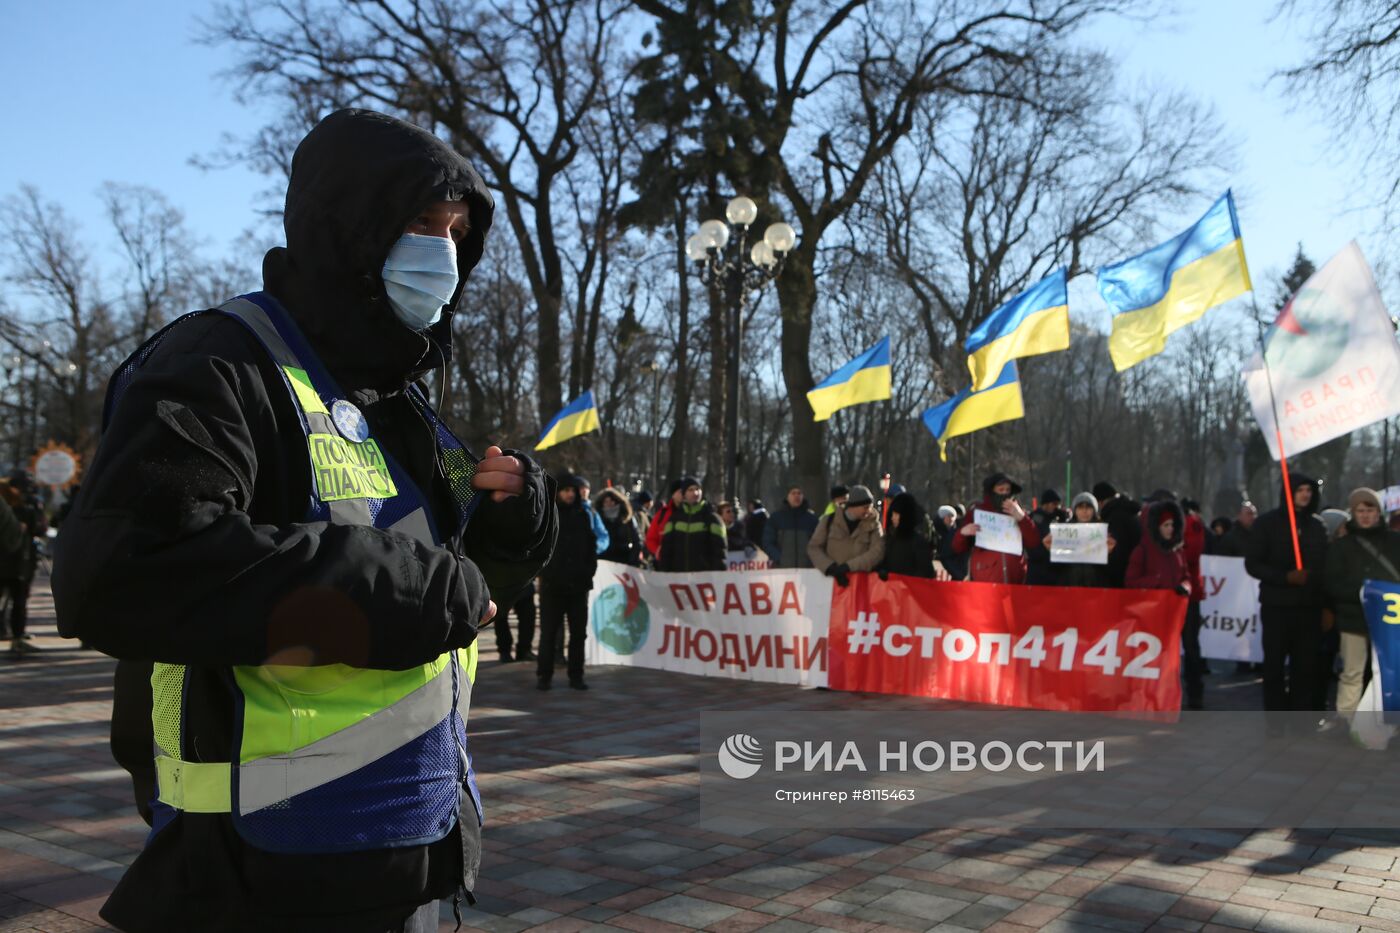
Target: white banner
<point>1390,499</point>
<point>767,625</point>
<point>750,558</point>
<point>1333,359</point>
<point>1229,611</point>
<point>997,532</point>
<point>1079,543</point>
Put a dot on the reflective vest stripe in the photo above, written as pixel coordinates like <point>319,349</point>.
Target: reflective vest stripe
<point>414,525</point>
<point>192,786</point>
<point>305,391</point>
<point>267,781</point>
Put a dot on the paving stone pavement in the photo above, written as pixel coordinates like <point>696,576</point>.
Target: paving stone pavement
<point>591,824</point>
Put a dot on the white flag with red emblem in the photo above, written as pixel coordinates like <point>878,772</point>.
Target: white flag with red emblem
<point>1332,356</point>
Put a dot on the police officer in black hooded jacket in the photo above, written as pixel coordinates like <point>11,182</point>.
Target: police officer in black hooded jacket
<point>190,545</point>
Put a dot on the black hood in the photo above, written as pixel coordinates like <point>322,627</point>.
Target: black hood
<point>911,515</point>
<point>358,179</point>
<point>997,478</point>
<point>1298,479</point>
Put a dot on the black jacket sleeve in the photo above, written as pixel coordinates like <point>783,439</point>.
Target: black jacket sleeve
<point>1259,559</point>
<point>160,559</point>
<point>11,536</point>
<point>512,539</point>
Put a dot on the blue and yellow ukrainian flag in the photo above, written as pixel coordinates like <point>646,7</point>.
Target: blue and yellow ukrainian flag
<point>864,379</point>
<point>1034,322</point>
<point>1169,286</point>
<point>971,410</point>
<point>578,417</point>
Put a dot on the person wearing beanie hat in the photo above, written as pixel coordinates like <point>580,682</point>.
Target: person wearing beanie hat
<point>1123,517</point>
<point>943,531</point>
<point>850,540</point>
<point>1047,512</point>
<point>1084,510</point>
<point>984,566</point>
<point>787,532</point>
<point>693,538</point>
<point>1368,551</point>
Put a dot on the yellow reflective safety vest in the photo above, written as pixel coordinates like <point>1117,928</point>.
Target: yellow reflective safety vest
<point>332,758</point>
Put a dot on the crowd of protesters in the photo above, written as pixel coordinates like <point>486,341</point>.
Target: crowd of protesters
<point>1310,616</point>
<point>1311,621</point>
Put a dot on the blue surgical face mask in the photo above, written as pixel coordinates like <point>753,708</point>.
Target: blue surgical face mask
<point>420,276</point>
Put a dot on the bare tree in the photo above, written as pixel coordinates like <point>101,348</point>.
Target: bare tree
<point>512,84</point>
<point>1353,77</point>
<point>71,326</point>
<point>820,95</point>
<point>968,219</point>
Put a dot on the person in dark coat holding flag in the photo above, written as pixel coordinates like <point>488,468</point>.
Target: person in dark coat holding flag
<point>1290,598</point>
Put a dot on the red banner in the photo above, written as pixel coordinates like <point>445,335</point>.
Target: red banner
<point>1057,648</point>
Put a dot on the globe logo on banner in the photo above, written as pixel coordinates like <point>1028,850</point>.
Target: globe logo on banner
<point>741,756</point>
<point>1310,335</point>
<point>621,619</point>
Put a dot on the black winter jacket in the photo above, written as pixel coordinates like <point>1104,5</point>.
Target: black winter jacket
<point>693,540</point>
<point>1350,564</point>
<point>907,554</point>
<point>12,535</point>
<point>786,533</point>
<point>575,559</point>
<point>1235,542</point>
<point>1039,571</point>
<point>20,562</point>
<point>188,543</point>
<point>1121,514</point>
<point>1269,554</point>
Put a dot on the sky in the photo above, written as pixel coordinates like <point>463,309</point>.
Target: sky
<point>120,91</point>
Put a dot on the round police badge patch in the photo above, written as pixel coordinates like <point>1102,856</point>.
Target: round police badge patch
<point>350,421</point>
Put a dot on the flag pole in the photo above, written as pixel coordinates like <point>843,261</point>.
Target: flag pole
<point>1278,435</point>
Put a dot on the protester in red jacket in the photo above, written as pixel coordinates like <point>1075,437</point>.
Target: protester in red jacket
<point>663,514</point>
<point>1159,561</point>
<point>998,495</point>
<point>1194,545</point>
<point>1163,561</point>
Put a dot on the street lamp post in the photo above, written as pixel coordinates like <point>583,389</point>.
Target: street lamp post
<point>730,263</point>
<point>654,367</point>
<point>885,500</point>
<point>14,376</point>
